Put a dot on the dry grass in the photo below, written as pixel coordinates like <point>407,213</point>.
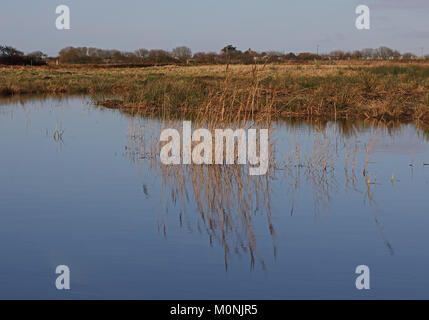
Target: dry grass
<point>384,91</point>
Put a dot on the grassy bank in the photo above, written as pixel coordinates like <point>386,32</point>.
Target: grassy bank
<point>384,91</point>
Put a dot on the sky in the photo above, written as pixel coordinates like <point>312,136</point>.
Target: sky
<point>209,25</point>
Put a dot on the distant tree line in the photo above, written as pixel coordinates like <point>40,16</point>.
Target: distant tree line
<point>184,55</point>
<point>12,56</point>
<point>228,54</point>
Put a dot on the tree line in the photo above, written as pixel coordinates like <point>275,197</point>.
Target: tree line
<point>184,55</point>
<point>228,54</point>
<point>12,56</point>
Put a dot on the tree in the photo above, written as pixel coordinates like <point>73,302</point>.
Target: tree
<point>384,52</point>
<point>71,55</point>
<point>209,57</point>
<point>368,53</point>
<point>229,49</point>
<point>408,56</point>
<point>7,51</point>
<point>159,56</point>
<point>183,53</point>
<point>337,54</point>
<point>142,53</point>
<point>12,56</point>
<point>306,56</point>
<point>356,54</point>
<point>37,55</point>
<point>290,56</point>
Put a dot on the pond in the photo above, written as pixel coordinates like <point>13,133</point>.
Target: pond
<point>83,186</point>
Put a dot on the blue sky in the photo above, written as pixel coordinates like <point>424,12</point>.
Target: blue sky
<point>208,25</point>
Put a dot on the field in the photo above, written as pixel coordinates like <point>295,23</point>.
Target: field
<point>347,90</point>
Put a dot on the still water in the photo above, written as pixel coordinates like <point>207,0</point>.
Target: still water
<point>97,199</point>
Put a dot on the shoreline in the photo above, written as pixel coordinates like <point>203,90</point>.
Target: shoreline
<point>382,91</point>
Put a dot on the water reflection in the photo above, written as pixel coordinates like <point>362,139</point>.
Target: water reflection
<point>225,197</point>
<point>338,194</point>
<point>314,158</point>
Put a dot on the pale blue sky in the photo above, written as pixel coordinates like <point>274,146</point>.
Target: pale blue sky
<point>208,25</point>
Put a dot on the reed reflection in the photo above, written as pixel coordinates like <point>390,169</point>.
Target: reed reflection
<point>313,160</point>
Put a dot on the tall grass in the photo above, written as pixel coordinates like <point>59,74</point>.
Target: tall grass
<point>386,92</point>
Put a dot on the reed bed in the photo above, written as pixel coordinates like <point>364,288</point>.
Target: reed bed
<point>383,91</point>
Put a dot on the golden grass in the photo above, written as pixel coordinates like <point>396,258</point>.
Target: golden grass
<point>378,90</point>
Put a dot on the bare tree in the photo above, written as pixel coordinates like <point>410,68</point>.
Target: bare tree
<point>142,53</point>
<point>182,53</point>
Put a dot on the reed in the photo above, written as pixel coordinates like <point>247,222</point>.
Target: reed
<point>386,91</point>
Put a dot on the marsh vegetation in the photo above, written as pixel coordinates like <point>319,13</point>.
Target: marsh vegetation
<point>383,91</point>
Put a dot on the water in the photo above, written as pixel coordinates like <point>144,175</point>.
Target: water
<point>99,201</point>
